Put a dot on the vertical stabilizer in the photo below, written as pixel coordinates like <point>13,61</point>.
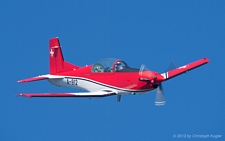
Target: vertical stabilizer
<point>57,63</point>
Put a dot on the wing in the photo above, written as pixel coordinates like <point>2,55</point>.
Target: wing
<point>184,69</point>
<point>102,93</point>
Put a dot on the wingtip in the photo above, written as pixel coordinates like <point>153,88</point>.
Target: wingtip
<point>24,95</point>
<point>207,60</point>
<point>22,81</point>
<point>20,94</point>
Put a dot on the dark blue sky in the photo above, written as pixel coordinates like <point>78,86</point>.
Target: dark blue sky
<point>147,32</point>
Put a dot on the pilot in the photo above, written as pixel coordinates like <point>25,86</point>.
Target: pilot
<point>98,69</point>
<point>118,66</point>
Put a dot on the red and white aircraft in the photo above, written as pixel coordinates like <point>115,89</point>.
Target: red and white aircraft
<point>107,77</point>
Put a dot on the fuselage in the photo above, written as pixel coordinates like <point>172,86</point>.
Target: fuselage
<point>122,82</point>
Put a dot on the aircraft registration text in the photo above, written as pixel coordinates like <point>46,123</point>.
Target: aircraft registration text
<point>72,81</point>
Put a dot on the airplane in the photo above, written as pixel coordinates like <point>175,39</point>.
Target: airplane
<point>106,77</point>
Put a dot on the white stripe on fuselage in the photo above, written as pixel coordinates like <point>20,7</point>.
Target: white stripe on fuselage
<point>91,85</point>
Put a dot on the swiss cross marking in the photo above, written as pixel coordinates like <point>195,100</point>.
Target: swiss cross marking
<point>52,53</point>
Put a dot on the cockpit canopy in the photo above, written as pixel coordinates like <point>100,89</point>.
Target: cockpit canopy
<point>112,65</point>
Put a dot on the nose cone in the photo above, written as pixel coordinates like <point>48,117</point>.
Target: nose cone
<point>154,77</point>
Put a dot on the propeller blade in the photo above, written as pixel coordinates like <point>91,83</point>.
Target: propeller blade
<point>160,100</point>
<point>171,66</point>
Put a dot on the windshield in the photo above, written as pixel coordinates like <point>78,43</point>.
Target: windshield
<point>108,65</point>
<point>114,65</point>
<point>142,69</point>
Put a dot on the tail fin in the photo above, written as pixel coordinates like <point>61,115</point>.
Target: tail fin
<point>57,63</point>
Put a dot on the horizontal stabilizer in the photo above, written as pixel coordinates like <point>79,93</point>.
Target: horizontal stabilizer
<point>185,68</point>
<point>41,77</point>
<point>32,79</point>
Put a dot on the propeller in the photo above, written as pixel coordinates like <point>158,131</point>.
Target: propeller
<point>157,82</point>
<point>160,99</point>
